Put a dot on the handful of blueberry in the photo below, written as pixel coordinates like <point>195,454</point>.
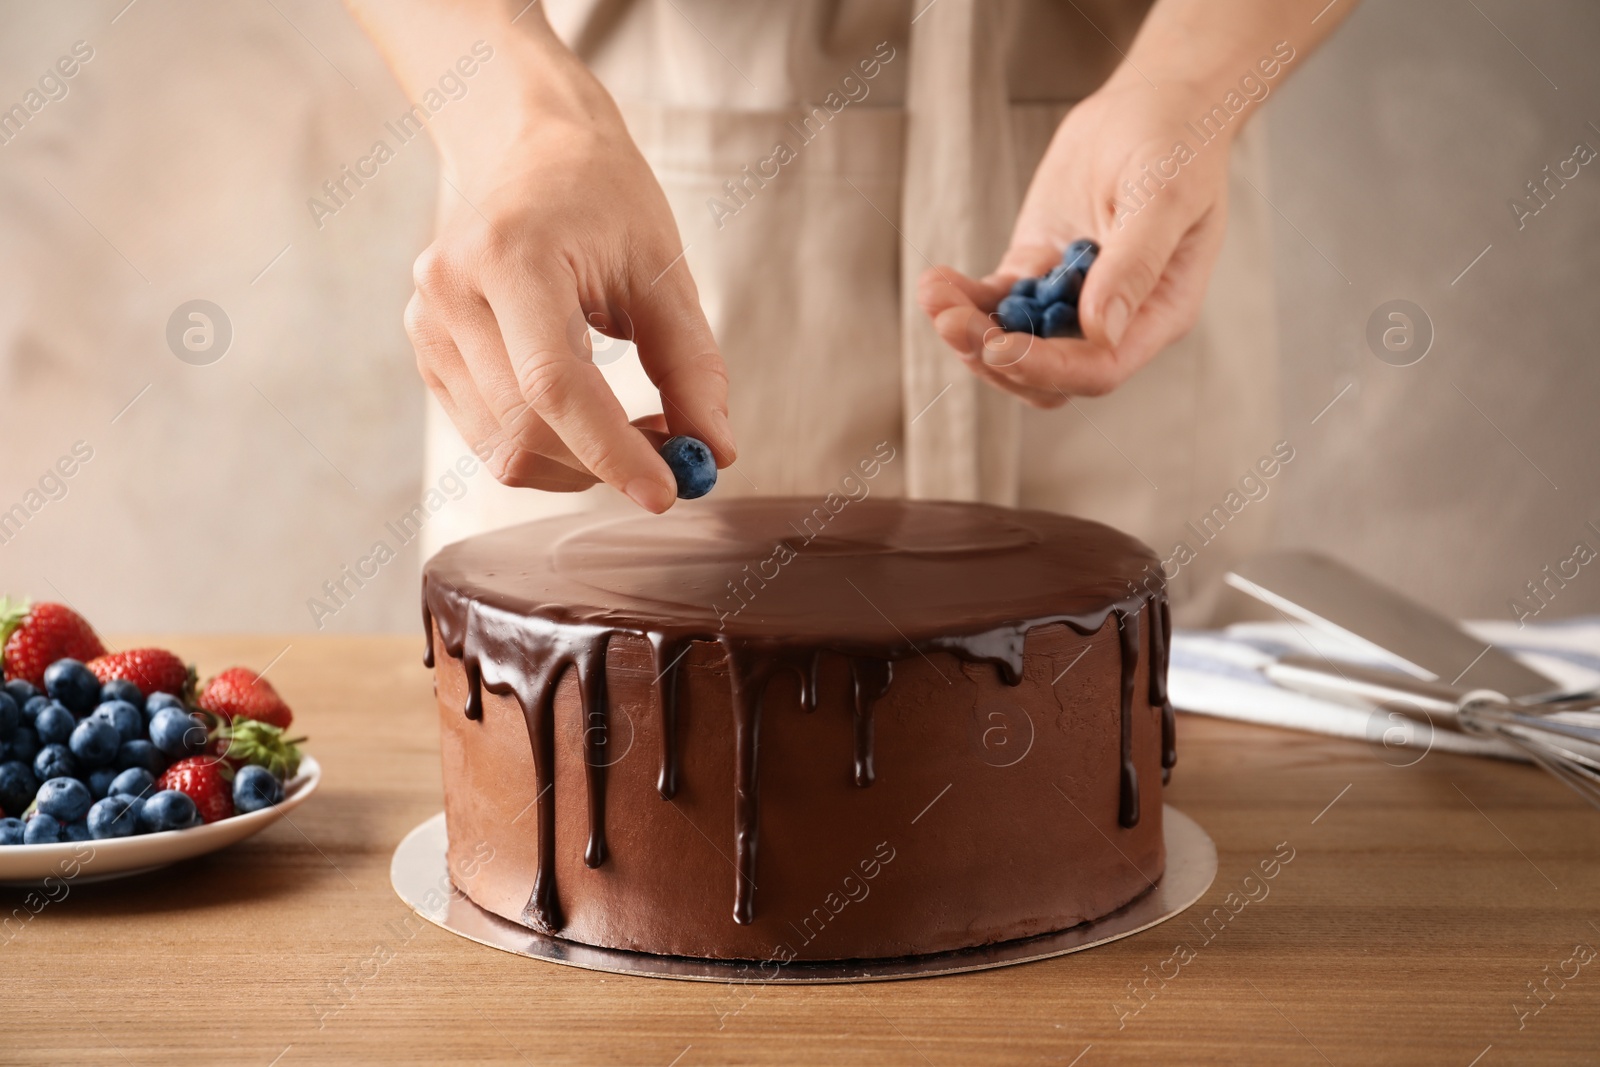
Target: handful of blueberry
<point>91,760</point>
<point>1047,306</point>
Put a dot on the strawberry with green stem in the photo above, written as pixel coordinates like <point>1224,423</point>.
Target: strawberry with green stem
<point>33,636</point>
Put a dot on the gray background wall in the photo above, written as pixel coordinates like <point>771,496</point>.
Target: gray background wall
<point>1394,152</point>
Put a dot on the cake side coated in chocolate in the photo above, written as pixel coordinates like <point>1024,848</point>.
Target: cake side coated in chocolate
<point>768,701</point>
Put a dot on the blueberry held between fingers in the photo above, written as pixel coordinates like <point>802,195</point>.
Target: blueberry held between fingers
<point>124,690</point>
<point>255,788</point>
<point>1027,287</point>
<point>1061,320</point>
<point>177,733</point>
<point>692,466</point>
<point>17,786</point>
<point>73,684</point>
<point>66,798</point>
<point>1018,314</point>
<point>54,724</point>
<point>142,754</point>
<point>115,816</point>
<point>168,810</point>
<point>95,742</point>
<point>11,831</point>
<point>55,761</point>
<point>42,829</point>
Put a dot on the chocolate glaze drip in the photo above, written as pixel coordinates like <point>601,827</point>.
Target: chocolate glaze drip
<point>592,695</point>
<point>520,606</point>
<point>1128,637</point>
<point>665,655</point>
<point>870,679</point>
<point>1160,653</point>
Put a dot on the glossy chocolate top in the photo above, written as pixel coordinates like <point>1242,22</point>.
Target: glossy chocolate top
<point>878,575</point>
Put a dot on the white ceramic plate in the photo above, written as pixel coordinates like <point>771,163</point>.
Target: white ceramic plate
<point>118,857</point>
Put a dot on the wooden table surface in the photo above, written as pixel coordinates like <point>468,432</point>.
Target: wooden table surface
<point>1419,905</point>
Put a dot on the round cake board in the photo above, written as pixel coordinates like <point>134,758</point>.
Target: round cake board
<point>421,878</point>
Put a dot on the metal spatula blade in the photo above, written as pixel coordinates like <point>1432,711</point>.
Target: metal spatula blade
<point>1324,593</point>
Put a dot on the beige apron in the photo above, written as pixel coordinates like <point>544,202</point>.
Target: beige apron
<point>806,261</point>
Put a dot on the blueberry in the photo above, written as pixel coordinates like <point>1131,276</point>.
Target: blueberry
<point>10,716</point>
<point>1018,314</point>
<point>177,733</point>
<point>11,831</point>
<point>1081,254</point>
<point>1061,285</point>
<point>1061,320</point>
<point>1025,287</point>
<point>20,691</point>
<point>55,761</point>
<point>157,701</point>
<point>65,798</point>
<point>168,810</point>
<point>95,742</point>
<point>17,786</point>
<point>115,816</point>
<point>127,719</point>
<point>73,684</point>
<point>99,782</point>
<point>42,829</point>
<point>33,706</point>
<point>24,745</point>
<point>122,689</point>
<point>54,725</point>
<point>142,754</point>
<point>135,808</point>
<point>76,831</point>
<point>255,788</point>
<point>135,781</point>
<point>692,465</point>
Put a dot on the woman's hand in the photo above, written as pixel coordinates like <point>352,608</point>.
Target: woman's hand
<point>1158,242</point>
<point>551,221</point>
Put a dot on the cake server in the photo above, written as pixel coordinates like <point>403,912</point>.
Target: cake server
<point>1321,591</point>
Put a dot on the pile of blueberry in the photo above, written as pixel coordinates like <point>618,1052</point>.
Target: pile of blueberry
<point>1047,306</point>
<point>82,760</point>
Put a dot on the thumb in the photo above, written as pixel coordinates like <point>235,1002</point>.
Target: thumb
<point>1127,270</point>
<point>681,357</point>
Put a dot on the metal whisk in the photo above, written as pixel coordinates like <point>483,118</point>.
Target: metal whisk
<point>1560,735</point>
<point>1563,738</point>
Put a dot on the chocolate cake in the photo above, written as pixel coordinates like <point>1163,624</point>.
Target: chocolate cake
<point>778,729</point>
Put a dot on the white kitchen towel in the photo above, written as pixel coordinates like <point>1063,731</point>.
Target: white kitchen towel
<point>1218,672</point>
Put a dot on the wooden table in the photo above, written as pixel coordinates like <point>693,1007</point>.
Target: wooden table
<point>1419,905</point>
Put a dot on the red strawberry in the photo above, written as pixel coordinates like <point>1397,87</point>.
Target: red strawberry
<point>34,639</point>
<point>153,670</point>
<point>205,780</point>
<point>240,693</point>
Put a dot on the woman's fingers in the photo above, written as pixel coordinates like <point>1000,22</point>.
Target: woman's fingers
<point>570,394</point>
<point>681,357</point>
